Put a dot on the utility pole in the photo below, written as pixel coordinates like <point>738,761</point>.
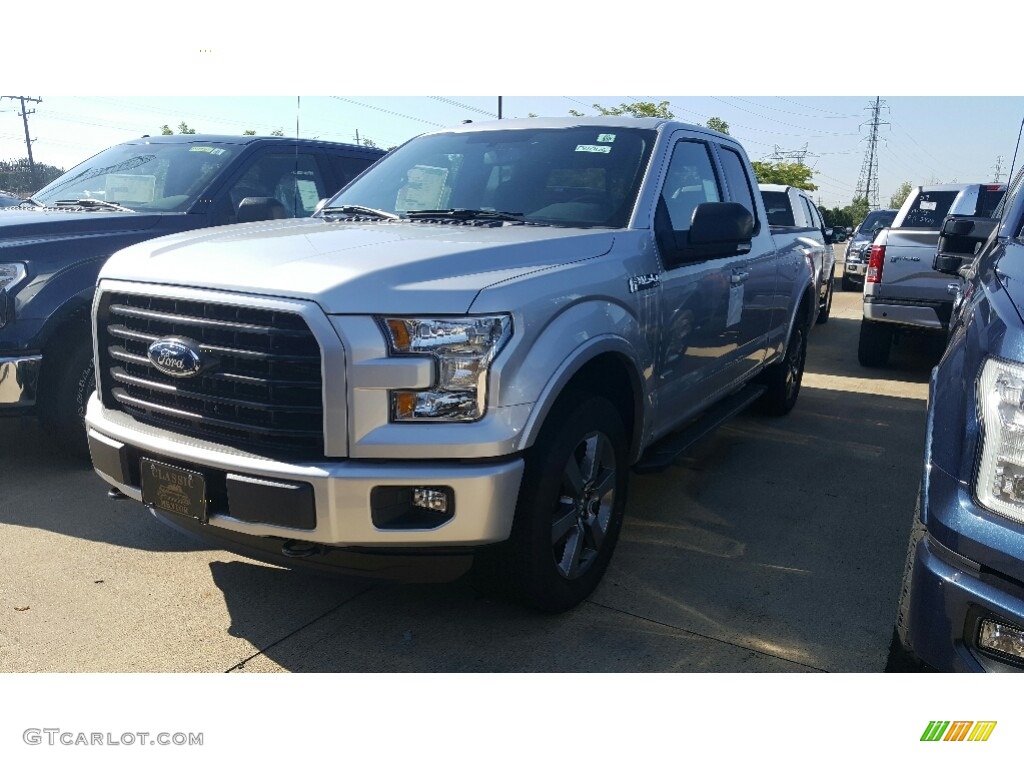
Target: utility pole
<point>867,183</point>
<point>28,141</point>
<point>499,107</point>
<point>999,168</point>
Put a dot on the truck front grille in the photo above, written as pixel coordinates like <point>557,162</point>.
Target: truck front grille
<point>262,393</point>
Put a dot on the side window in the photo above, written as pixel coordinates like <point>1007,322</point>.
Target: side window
<point>292,179</point>
<point>780,211</point>
<point>347,168</point>
<point>689,182</point>
<point>739,183</point>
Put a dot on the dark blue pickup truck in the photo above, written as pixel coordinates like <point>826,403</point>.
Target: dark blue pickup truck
<point>53,244</point>
<point>962,600</point>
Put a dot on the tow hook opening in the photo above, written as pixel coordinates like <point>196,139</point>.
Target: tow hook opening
<point>293,548</point>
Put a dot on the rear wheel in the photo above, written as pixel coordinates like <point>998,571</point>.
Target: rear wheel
<point>901,658</point>
<point>783,378</point>
<point>874,344</point>
<point>569,512</point>
<point>848,284</point>
<point>825,305</point>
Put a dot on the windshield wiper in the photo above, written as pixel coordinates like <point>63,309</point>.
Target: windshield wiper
<point>360,209</point>
<point>32,201</point>
<point>465,214</point>
<point>89,202</point>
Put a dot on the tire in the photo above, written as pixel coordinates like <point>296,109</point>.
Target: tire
<point>874,344</point>
<point>783,378</point>
<point>825,307</point>
<point>901,658</point>
<point>569,513</point>
<point>65,396</point>
<point>848,284</point>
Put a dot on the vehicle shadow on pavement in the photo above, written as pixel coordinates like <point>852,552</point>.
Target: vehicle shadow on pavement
<point>832,350</point>
<point>48,489</point>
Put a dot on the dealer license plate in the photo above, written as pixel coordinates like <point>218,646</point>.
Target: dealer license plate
<point>174,489</point>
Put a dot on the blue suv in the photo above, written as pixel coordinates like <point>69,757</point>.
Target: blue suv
<point>961,604</point>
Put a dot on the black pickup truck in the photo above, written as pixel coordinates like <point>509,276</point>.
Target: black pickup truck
<point>53,244</point>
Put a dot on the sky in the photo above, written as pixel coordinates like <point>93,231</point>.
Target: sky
<point>924,139</point>
<point>788,78</point>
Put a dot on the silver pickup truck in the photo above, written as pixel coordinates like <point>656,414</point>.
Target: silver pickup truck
<point>457,361</point>
<point>903,292</point>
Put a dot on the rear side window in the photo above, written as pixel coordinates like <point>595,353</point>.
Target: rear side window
<point>929,209</point>
<point>780,212</point>
<point>738,181</point>
<point>988,198</point>
<point>347,168</point>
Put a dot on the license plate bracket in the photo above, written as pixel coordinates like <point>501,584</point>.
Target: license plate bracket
<point>174,489</point>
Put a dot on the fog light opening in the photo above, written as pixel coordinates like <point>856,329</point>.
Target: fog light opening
<point>406,508</point>
<point>1004,639</point>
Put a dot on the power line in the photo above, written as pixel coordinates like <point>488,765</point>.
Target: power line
<point>454,103</point>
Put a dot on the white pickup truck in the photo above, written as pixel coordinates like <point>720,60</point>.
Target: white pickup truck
<point>903,292</point>
<point>456,361</point>
<point>792,214</point>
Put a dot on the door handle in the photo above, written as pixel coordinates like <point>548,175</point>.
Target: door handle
<point>953,289</point>
<point>739,277</point>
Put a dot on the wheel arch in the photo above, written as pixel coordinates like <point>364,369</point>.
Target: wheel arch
<point>603,366</point>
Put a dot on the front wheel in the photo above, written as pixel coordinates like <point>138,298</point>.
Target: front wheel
<point>65,396</point>
<point>569,512</point>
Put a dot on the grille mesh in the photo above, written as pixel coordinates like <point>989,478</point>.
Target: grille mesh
<point>262,392</point>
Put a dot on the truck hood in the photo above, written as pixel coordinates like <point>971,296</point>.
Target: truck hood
<point>21,224</point>
<point>357,268</point>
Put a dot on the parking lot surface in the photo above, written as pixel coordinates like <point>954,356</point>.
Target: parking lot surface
<point>775,546</point>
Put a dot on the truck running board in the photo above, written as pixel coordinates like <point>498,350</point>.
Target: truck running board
<point>663,453</point>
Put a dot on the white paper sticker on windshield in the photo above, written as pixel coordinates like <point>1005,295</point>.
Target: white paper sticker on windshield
<point>424,189</point>
<point>592,148</point>
<point>129,188</point>
<point>927,205</point>
<point>607,138</point>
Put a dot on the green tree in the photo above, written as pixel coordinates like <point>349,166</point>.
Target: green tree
<point>248,133</point>
<point>718,124</point>
<point>635,109</point>
<point>858,209</point>
<point>165,129</point>
<point>277,132</point>
<point>795,174</point>
<point>901,194</point>
<point>16,176</point>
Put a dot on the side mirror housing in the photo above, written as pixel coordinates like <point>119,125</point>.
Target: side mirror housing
<point>260,209</point>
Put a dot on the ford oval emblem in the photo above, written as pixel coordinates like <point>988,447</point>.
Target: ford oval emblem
<point>176,356</point>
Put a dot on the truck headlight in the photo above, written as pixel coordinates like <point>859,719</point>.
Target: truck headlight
<point>462,349</point>
<point>10,276</point>
<point>1000,477</point>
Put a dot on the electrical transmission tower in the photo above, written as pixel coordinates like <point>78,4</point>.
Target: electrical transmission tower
<point>791,156</point>
<point>998,170</point>
<point>867,182</point>
<point>28,141</point>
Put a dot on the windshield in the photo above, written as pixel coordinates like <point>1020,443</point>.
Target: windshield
<point>879,219</point>
<point>143,177</point>
<point>577,177</point>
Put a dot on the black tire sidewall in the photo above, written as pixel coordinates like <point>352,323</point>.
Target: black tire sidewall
<point>63,410</point>
<point>541,585</point>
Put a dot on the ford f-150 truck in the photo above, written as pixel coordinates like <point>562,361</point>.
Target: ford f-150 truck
<point>792,213</point>
<point>457,361</point>
<point>53,244</point>
<point>903,293</point>
<point>961,605</point>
